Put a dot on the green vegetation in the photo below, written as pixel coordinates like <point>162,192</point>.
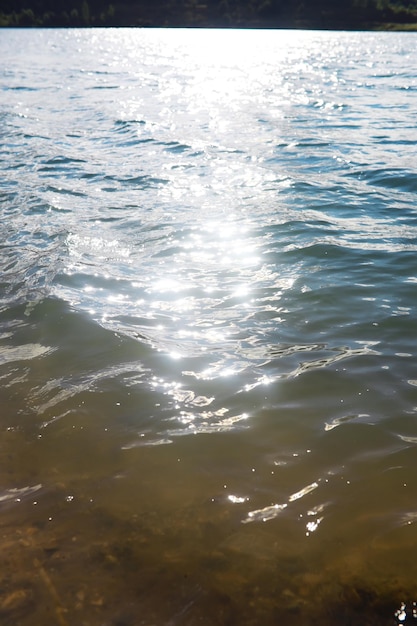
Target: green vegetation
<point>327,14</point>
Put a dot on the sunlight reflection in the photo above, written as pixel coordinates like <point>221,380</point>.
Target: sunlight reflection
<point>262,380</point>
<point>190,412</point>
<point>272,511</point>
<point>218,264</point>
<point>237,499</point>
<point>303,492</point>
<point>312,526</point>
<point>168,284</point>
<point>175,355</point>
<point>265,514</point>
<point>17,494</point>
<point>207,422</point>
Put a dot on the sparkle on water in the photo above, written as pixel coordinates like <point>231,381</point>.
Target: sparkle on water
<point>208,337</point>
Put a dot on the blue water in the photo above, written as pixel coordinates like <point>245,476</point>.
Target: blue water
<point>208,327</point>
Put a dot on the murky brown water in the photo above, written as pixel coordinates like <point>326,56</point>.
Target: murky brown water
<point>148,536</point>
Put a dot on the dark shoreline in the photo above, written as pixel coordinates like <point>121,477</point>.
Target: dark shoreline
<point>390,27</point>
<point>355,15</point>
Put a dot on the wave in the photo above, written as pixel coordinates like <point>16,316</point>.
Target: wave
<point>398,179</point>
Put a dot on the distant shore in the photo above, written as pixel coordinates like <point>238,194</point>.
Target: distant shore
<point>353,15</point>
<point>377,27</point>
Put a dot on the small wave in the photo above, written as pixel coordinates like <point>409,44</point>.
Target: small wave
<point>147,442</point>
<point>338,421</point>
<point>27,352</point>
<point>141,181</point>
<point>400,180</point>
<point>127,125</point>
<point>104,87</point>
<point>66,191</point>
<point>176,147</point>
<point>16,494</point>
<point>21,88</point>
<point>338,355</point>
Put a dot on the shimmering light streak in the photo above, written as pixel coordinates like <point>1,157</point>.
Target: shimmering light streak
<point>265,514</point>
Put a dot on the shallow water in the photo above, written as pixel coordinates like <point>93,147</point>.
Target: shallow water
<point>208,336</point>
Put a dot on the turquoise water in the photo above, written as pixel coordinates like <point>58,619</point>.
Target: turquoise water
<point>208,331</point>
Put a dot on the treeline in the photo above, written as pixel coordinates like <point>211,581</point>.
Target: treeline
<point>330,14</point>
<point>56,13</point>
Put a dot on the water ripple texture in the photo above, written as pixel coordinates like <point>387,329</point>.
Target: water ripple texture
<point>213,233</point>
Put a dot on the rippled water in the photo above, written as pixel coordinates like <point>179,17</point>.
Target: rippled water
<point>208,327</point>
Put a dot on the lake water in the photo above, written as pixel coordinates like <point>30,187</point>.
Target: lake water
<point>208,327</point>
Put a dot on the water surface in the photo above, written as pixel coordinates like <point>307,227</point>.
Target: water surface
<point>208,335</point>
